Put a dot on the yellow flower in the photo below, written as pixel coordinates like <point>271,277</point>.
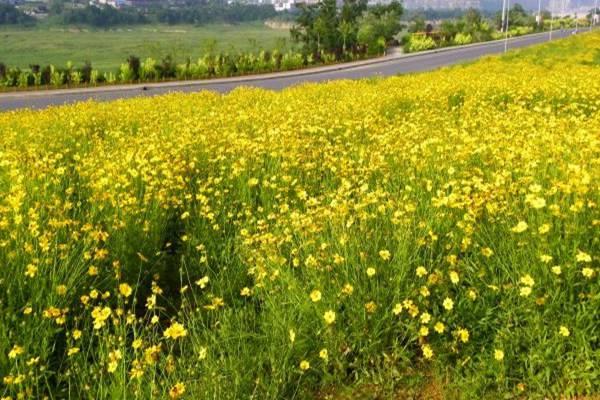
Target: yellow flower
<point>427,351</point>
<point>538,202</point>
<point>371,272</point>
<point>137,370</point>
<point>151,354</point>
<point>423,331</point>
<point>527,280</point>
<point>72,351</point>
<point>544,228</point>
<point>304,365</point>
<point>421,272</point>
<point>556,270</point>
<point>202,353</point>
<point>100,316</point>
<point>76,334</point>
<point>113,357</point>
<point>292,335</point>
<point>329,317</point>
<point>498,355</point>
<point>397,309</point>
<point>175,331</point>
<point>31,270</point>
<point>583,257</point>
<point>136,344</point>
<point>15,351</point>
<point>371,307</point>
<point>32,361</point>
<point>425,318</point>
<point>448,303</point>
<point>176,391</point>
<point>487,252</point>
<point>385,255</point>
<point>587,272</point>
<point>125,290</point>
<point>520,227</point>
<point>324,354</point>
<point>463,335</point>
<point>215,303</point>
<point>525,291</point>
<point>315,296</point>
<point>202,282</point>
<point>564,331</point>
<point>245,292</point>
<point>472,294</point>
<point>61,290</point>
<point>347,289</point>
<point>454,277</point>
<point>439,327</point>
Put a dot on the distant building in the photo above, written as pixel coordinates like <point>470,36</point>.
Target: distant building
<point>111,3</point>
<point>442,4</point>
<point>284,5</point>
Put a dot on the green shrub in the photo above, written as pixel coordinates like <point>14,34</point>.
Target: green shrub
<point>291,60</point>
<point>420,43</point>
<point>24,78</point>
<point>148,70</point>
<point>463,38</point>
<point>125,73</point>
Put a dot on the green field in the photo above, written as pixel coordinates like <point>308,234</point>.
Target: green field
<point>106,49</point>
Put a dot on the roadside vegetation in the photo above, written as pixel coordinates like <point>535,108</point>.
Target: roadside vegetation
<point>473,26</point>
<point>427,235</point>
<point>319,36</point>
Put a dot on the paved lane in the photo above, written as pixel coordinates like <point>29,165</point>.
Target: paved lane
<point>383,67</point>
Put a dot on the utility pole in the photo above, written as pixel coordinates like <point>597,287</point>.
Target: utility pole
<point>540,14</point>
<point>503,16</point>
<point>562,23</point>
<point>551,18</point>
<point>507,23</point>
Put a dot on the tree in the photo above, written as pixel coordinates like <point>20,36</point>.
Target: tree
<point>56,7</point>
<point>418,24</point>
<point>321,28</point>
<point>10,15</point>
<point>378,29</point>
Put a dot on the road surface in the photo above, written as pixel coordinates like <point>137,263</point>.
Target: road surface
<point>392,65</point>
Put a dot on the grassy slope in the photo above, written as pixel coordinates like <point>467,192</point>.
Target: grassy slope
<point>486,175</point>
<point>106,49</point>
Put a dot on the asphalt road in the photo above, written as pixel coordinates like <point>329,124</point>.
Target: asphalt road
<point>384,67</point>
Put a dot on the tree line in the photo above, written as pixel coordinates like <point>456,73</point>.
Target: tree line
<point>10,15</point>
<point>104,16</point>
<point>353,29</point>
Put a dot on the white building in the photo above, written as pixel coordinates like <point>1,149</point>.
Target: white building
<point>284,5</point>
<point>442,4</point>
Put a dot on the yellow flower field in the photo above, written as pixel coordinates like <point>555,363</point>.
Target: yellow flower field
<point>431,230</point>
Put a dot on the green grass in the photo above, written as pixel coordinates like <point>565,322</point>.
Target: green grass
<point>107,49</point>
